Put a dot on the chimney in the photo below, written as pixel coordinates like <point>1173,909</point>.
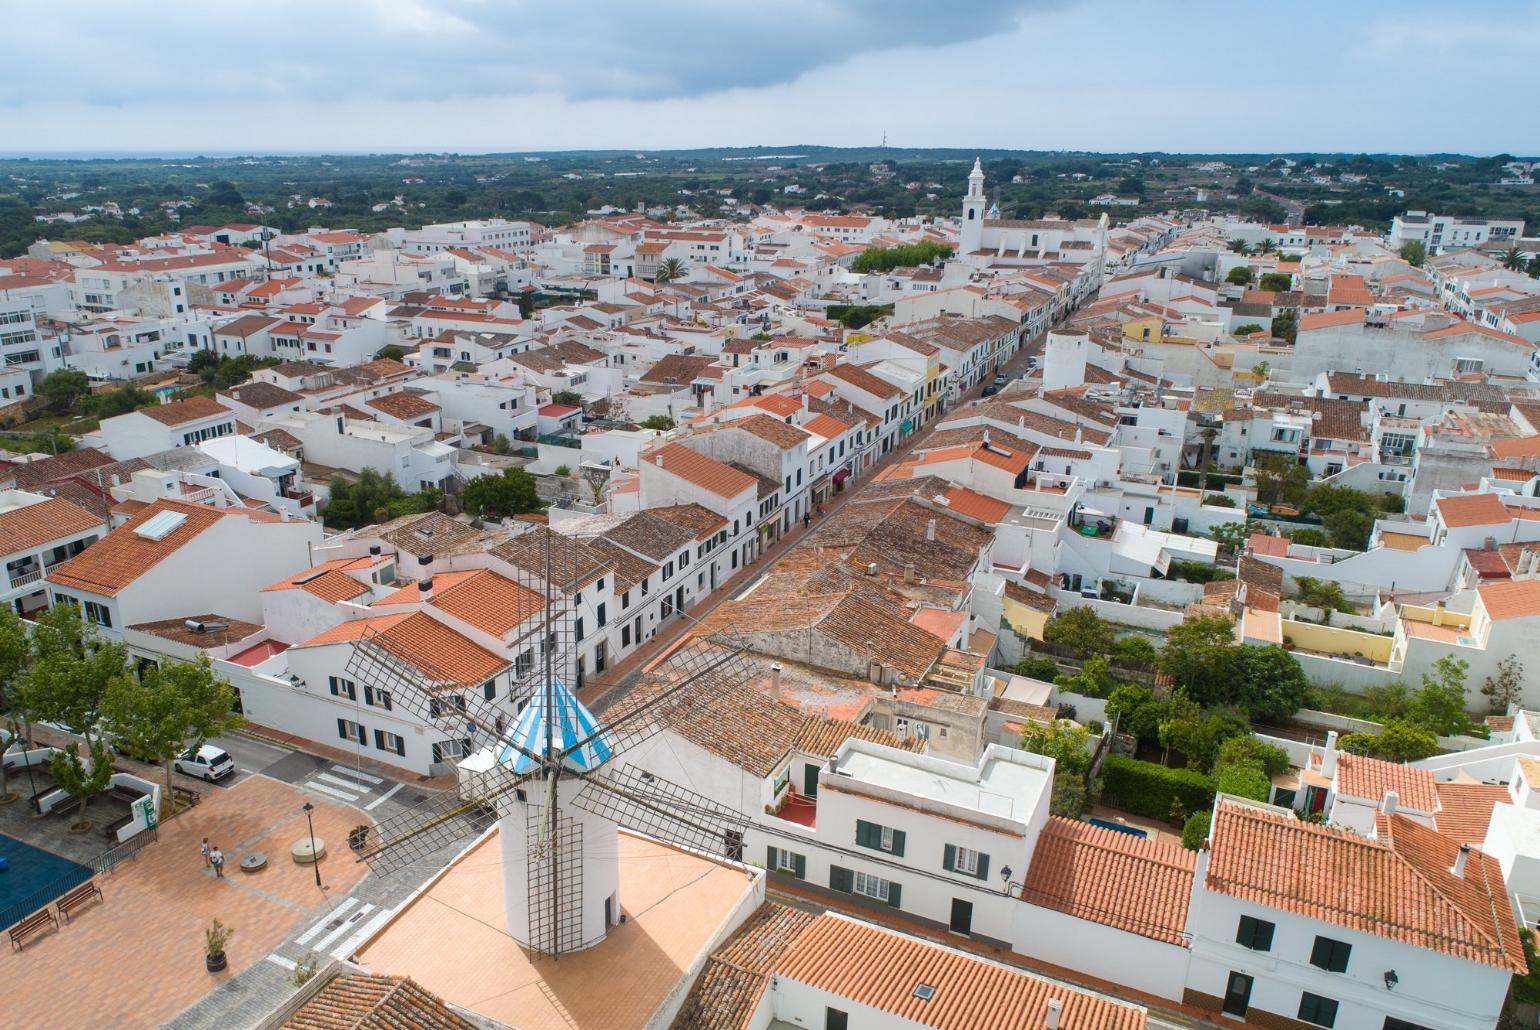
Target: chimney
<point>1329,759</point>
<point>374,550</point>
<point>909,572</point>
<point>986,436</point>
<point>1388,806</point>
<point>1458,870</point>
<point>425,589</point>
<point>659,460</point>
<point>1051,1016</point>
<point>930,530</point>
<point>871,568</point>
<point>775,680</point>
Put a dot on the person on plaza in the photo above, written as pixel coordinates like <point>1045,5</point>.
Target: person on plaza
<point>807,519</point>
<point>204,848</point>
<point>217,860</point>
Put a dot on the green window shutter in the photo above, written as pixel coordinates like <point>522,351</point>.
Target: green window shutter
<point>949,859</point>
<point>895,894</point>
<point>770,858</point>
<point>799,866</point>
<point>983,873</point>
<point>867,834</point>
<point>898,843</point>
<point>839,879</point>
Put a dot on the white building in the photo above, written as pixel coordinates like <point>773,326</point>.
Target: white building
<point>1445,232</point>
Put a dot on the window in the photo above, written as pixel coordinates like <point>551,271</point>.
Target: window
<point>489,690</point>
<point>871,886</point>
<point>524,663</point>
<point>376,698</point>
<point>448,750</point>
<point>342,687</point>
<point>437,706</point>
<point>349,730</point>
<point>625,600</point>
<point>1392,1023</point>
<point>99,614</point>
<point>601,656</point>
<point>625,636</point>
<point>1256,934</point>
<point>577,629</point>
<point>835,1019</point>
<point>599,615</point>
<point>1330,955</point>
<point>879,838</point>
<point>966,861</point>
<point>385,741</point>
<point>1318,1010</point>
<point>1237,995</point>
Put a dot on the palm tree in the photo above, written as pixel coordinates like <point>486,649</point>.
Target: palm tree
<point>1240,247</point>
<point>1267,246</point>
<point>670,270</point>
<point>1514,259</point>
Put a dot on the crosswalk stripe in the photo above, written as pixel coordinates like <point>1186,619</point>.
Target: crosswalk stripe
<point>371,806</point>
<point>366,931</point>
<point>333,791</point>
<point>359,788</point>
<point>347,924</point>
<point>279,960</point>
<point>344,770</point>
<point>346,904</point>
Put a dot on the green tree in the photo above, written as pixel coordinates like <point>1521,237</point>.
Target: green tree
<point>1280,480</point>
<point>669,270</point>
<point>1197,657</point>
<point>1134,651</point>
<point>391,352</point>
<point>1069,746</point>
<point>1276,282</point>
<point>1037,668</point>
<point>1414,253</point>
<point>82,778</point>
<point>1397,742</point>
<point>1308,536</point>
<point>1247,750</point>
<point>1219,501</point>
<point>909,255</point>
<point>1231,535</point>
<point>569,397</point>
<point>1195,830</point>
<point>14,650</point>
<point>1438,706</point>
<point>1126,706</point>
<point>119,401</point>
<point>1080,630</point>
<point>1247,329</point>
<point>1240,275</point>
<point>1094,679</point>
<point>662,423</point>
<point>497,497</point>
<point>1285,326</point>
<point>1387,702</point>
<point>63,388</point>
<point>1240,247</point>
<point>374,498</point>
<point>69,671</point>
<point>1349,528</point>
<point>1243,781</point>
<point>173,708</point>
<point>1325,594</point>
<point>1198,734</point>
<point>1502,689</point>
<point>1266,681</point>
<point>1514,259</point>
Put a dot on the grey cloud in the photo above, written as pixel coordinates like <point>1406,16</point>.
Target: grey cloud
<point>108,52</point>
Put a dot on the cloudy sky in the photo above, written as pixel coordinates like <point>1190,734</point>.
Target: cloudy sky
<point>500,75</point>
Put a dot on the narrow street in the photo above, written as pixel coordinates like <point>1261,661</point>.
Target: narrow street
<point>603,690</point>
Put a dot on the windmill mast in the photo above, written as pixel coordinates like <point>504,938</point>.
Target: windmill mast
<point>553,769</point>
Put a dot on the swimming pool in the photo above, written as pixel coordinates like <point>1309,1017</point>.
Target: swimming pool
<point>1108,824</point>
<point>32,878</point>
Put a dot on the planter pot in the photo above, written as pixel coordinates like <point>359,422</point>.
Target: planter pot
<point>215,963</point>
<point>358,837</point>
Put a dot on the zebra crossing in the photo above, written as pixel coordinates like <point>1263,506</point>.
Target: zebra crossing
<point>344,784</point>
<point>339,932</point>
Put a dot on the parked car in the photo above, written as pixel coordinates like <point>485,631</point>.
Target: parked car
<point>207,763</point>
<point>990,390</point>
<point>1001,380</point>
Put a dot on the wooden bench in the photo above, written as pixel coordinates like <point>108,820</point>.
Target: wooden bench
<point>110,831</point>
<point>79,896</point>
<point>128,794</point>
<point>32,926</point>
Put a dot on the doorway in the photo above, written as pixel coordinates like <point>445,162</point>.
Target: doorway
<point>962,917</point>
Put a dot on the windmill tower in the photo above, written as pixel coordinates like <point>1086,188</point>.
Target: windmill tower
<point>553,779</point>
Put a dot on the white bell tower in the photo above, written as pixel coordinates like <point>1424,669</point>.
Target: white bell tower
<point>974,204</point>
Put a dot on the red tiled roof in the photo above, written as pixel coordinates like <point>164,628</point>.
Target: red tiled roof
<point>1511,599</point>
<point>122,556</point>
<point>1465,809</point>
<point>422,641</point>
<point>1373,778</point>
<point>327,580</point>
<point>706,473</point>
<point>1472,510</point>
<point>24,529</point>
<point>481,598</point>
<point>976,505</point>
<point>188,410</point>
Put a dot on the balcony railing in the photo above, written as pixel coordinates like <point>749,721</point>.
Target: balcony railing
<point>25,578</point>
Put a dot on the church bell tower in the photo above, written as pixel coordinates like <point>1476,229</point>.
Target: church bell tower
<point>973,211</point>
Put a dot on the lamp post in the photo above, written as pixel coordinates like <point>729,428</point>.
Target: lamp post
<point>315,862</point>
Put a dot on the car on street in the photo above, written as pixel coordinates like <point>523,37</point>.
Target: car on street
<point>206,762</point>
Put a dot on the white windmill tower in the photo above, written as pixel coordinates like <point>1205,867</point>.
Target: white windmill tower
<point>554,781</point>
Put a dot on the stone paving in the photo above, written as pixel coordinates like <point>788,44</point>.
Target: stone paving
<point>136,958</point>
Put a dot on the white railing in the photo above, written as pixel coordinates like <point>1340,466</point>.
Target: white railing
<point>25,579</point>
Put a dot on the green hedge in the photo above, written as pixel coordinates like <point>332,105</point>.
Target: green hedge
<point>1156,791</point>
<point>1216,480</point>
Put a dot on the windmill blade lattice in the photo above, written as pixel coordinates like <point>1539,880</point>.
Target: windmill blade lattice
<point>442,820</point>
<point>645,802</point>
<point>418,686</point>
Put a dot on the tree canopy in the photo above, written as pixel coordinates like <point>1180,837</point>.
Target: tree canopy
<point>907,255</point>
<point>497,497</point>
<point>374,498</point>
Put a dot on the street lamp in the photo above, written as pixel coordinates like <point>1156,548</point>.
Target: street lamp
<point>315,862</point>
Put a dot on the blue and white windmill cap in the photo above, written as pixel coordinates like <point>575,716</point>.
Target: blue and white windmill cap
<point>570,723</point>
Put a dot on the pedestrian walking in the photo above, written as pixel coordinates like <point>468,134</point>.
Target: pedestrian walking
<point>807,519</point>
<point>217,860</point>
<point>204,848</point>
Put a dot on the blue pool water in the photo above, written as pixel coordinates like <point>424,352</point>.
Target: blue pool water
<point>27,872</point>
<point>1107,824</point>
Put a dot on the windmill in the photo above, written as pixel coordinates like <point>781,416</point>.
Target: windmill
<point>543,767</point>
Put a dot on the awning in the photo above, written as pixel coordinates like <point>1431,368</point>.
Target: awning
<point>842,475</point>
<point>908,426</point>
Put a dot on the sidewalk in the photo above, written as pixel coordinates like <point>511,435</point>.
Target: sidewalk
<point>343,756</point>
<point>602,689</point>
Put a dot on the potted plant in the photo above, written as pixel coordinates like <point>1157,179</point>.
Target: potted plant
<point>358,837</point>
<point>214,940</point>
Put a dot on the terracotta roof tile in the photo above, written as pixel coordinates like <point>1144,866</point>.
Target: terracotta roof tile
<point>24,529</point>
<point>698,519</point>
<point>730,985</point>
<point>122,556</point>
<point>976,505</point>
<point>188,410</point>
<point>863,380</point>
<point>403,405</point>
<point>771,430</point>
<point>1373,778</point>
<point>1398,886</point>
<point>878,968</point>
<point>1465,809</point>
<point>1116,879</point>
<point>1472,510</point>
<point>1514,599</point>
<point>327,581</point>
<point>363,1001</point>
<point>428,645</point>
<point>706,473</point>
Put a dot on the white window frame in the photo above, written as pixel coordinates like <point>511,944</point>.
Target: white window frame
<point>869,886</point>
<point>965,860</point>
<point>887,837</point>
<point>785,861</point>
